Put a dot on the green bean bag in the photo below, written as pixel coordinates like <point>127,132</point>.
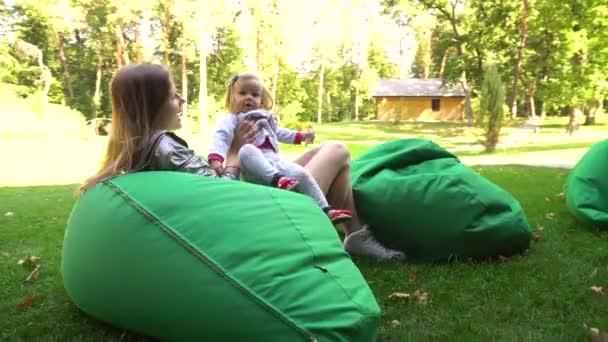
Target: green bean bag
<point>420,199</point>
<point>587,187</point>
<point>183,257</point>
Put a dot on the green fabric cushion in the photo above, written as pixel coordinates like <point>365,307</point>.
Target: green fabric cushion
<point>183,257</point>
<point>420,199</point>
<point>587,187</point>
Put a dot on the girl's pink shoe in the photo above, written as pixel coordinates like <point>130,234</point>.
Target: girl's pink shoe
<point>287,183</point>
<point>337,216</point>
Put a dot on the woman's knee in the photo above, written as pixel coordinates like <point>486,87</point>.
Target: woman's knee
<point>338,150</point>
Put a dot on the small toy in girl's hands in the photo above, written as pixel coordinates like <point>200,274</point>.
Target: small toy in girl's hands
<point>309,135</point>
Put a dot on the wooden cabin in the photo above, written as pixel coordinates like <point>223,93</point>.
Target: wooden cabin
<point>418,99</point>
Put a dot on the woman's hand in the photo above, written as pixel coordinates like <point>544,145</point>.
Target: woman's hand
<point>245,133</point>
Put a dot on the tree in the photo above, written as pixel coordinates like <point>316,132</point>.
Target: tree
<point>491,112</point>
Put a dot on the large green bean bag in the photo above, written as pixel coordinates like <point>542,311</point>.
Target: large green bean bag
<point>420,199</point>
<point>183,257</point>
<point>587,187</point>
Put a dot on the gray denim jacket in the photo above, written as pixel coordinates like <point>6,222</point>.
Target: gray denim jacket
<point>168,152</point>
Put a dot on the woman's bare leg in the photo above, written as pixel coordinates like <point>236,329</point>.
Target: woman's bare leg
<point>329,164</point>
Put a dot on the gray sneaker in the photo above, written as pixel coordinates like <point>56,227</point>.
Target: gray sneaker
<point>363,243</point>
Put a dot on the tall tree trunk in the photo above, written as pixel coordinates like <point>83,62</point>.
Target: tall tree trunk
<point>468,109</point>
<point>138,54</point>
<point>97,94</point>
<point>320,100</point>
<point>122,53</point>
<point>202,95</point>
<point>64,63</point>
<point>168,28</point>
<point>427,54</point>
<point>275,82</point>
<point>596,108</point>
<point>184,84</point>
<point>573,124</point>
<point>444,60</point>
<point>523,34</point>
<point>357,79</point>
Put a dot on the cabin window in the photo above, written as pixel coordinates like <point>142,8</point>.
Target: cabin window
<point>436,105</point>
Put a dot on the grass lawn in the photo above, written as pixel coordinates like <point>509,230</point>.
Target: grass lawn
<point>542,295</point>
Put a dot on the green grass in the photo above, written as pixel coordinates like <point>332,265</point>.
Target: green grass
<point>542,295</point>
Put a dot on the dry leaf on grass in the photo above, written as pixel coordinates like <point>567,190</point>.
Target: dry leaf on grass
<point>565,236</point>
<point>34,274</point>
<point>597,289</point>
<point>536,236</point>
<point>5,253</point>
<point>550,216</point>
<point>27,303</point>
<point>595,334</point>
<point>9,213</point>
<point>399,295</point>
<point>30,260</point>
<point>502,258</point>
<point>540,228</point>
<point>547,199</point>
<point>395,322</point>
<point>594,273</point>
<point>560,196</point>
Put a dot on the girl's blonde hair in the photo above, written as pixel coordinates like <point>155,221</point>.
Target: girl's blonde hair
<point>267,101</point>
<point>137,92</point>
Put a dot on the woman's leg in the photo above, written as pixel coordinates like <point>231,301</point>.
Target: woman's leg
<point>329,165</point>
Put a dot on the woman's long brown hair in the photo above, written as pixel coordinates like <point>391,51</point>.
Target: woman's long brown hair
<point>138,92</point>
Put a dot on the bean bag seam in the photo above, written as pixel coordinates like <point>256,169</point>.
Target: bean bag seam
<point>315,257</point>
<point>198,254</point>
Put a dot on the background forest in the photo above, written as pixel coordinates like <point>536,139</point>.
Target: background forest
<point>320,58</point>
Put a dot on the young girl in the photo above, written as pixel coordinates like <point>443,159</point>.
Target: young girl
<point>248,98</point>
<point>145,109</point>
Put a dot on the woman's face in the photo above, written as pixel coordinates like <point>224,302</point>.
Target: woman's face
<point>170,111</point>
<point>247,95</point>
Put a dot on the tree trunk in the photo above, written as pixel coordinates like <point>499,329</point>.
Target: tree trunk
<point>427,54</point>
<point>138,54</point>
<point>275,82</point>
<point>64,63</point>
<point>320,103</point>
<point>444,60</point>
<point>168,27</point>
<point>122,53</point>
<point>184,85</point>
<point>97,94</point>
<point>523,34</point>
<point>595,109</point>
<point>468,108</point>
<point>202,95</point>
<point>573,124</point>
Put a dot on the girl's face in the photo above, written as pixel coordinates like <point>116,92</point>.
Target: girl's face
<point>170,111</point>
<point>247,95</point>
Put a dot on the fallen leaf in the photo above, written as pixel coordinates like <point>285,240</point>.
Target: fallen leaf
<point>560,196</point>
<point>550,216</point>
<point>597,289</point>
<point>413,275</point>
<point>28,302</point>
<point>502,258</point>
<point>565,236</point>
<point>536,236</point>
<point>594,273</point>
<point>421,297</point>
<point>21,262</point>
<point>595,334</point>
<point>34,274</point>
<point>540,228</point>
<point>395,322</point>
<point>5,253</point>
<point>547,199</point>
<point>9,213</point>
<point>399,295</point>
<point>34,258</point>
